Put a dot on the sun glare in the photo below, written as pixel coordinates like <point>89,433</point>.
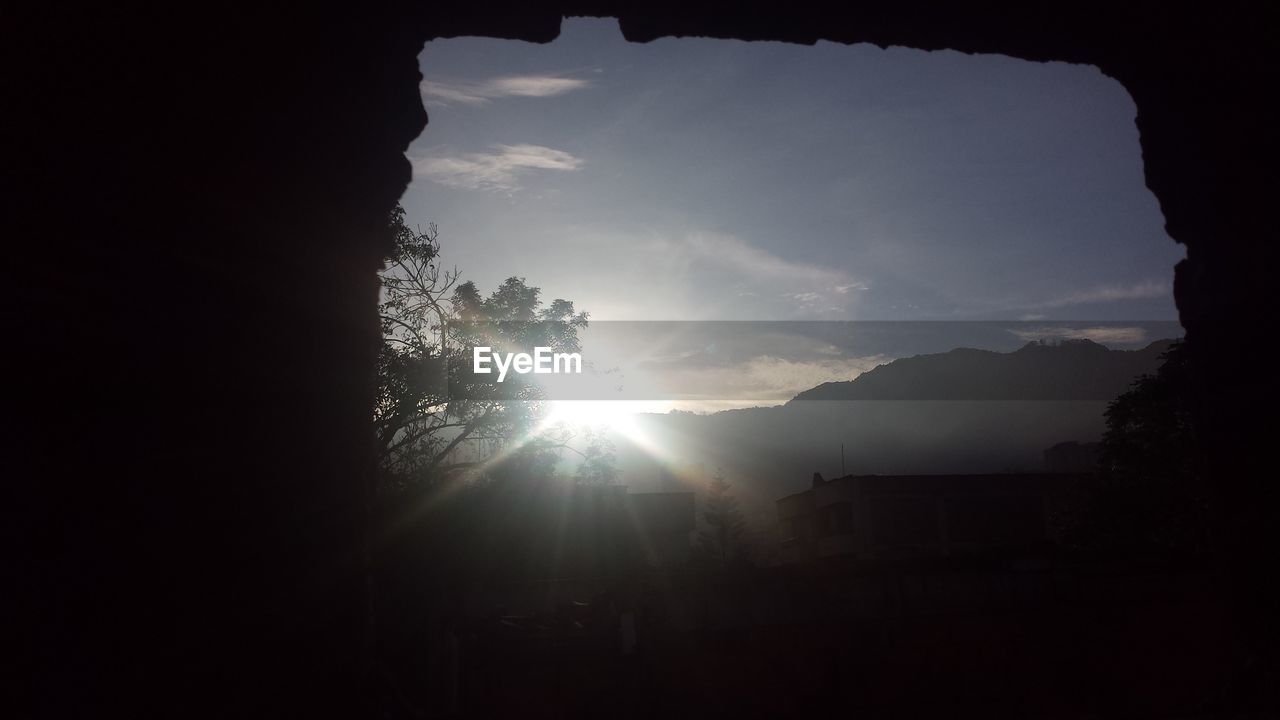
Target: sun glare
<point>618,415</point>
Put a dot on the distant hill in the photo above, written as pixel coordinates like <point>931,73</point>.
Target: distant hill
<point>963,411</point>
<point>1071,370</point>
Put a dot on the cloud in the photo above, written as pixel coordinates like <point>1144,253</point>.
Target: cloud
<point>734,253</point>
<point>844,289</point>
<point>808,287</point>
<point>1103,335</point>
<point>445,93</point>
<point>789,377</point>
<point>1111,293</point>
<point>803,298</point>
<point>765,378</point>
<point>493,171</point>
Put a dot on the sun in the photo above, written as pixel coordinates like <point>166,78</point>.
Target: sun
<point>615,414</point>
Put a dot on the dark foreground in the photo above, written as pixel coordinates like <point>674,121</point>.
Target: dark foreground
<point>1004,639</point>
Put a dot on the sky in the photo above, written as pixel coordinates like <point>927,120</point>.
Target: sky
<point>693,179</point>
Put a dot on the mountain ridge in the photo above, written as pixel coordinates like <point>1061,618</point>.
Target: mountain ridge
<point>1070,370</point>
<point>958,420</point>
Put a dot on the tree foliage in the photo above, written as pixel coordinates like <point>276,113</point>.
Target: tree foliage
<point>1147,494</point>
<point>723,539</point>
<point>599,466</point>
<point>431,420</point>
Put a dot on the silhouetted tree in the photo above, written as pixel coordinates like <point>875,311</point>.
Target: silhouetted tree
<point>1147,494</point>
<point>1149,434</point>
<point>409,413</point>
<point>430,323</point>
<point>722,541</point>
<point>599,465</point>
<point>427,546</point>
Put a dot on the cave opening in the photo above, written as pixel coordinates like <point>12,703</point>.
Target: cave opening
<point>997,201</point>
<point>712,180</point>
<point>199,541</point>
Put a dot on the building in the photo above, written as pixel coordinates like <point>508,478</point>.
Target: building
<point>884,517</point>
